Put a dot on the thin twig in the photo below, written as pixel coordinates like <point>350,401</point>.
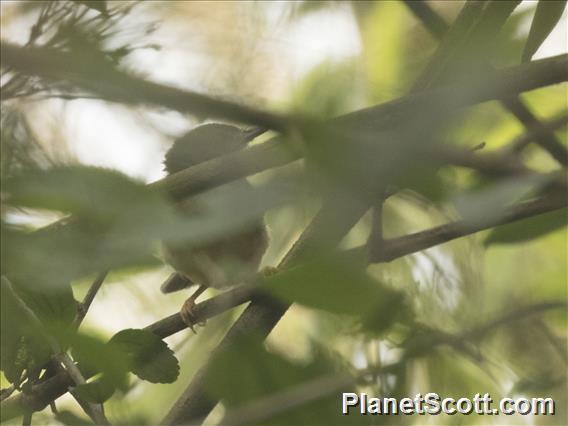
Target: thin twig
<point>84,306</point>
<point>518,144</point>
<point>6,392</point>
<point>94,411</point>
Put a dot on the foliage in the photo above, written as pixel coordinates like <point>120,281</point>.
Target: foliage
<point>414,195</point>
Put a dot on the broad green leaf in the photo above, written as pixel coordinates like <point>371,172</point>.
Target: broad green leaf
<point>54,306</point>
<point>149,357</point>
<point>116,222</point>
<point>341,285</point>
<point>528,229</point>
<point>97,391</point>
<point>95,356</point>
<point>90,192</point>
<point>547,15</point>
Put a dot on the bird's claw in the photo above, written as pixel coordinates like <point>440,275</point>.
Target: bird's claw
<point>187,313</point>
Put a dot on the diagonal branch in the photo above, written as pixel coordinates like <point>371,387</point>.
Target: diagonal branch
<point>87,71</point>
<point>84,306</point>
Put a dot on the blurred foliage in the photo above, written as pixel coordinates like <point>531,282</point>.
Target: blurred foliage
<point>390,329</point>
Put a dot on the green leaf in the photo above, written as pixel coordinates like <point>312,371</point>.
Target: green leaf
<point>97,391</point>
<point>528,229</point>
<point>339,284</point>
<point>22,345</point>
<point>54,306</point>
<point>489,204</point>
<point>149,357</point>
<point>98,5</point>
<point>246,372</point>
<point>71,419</point>
<point>116,222</point>
<point>81,190</point>
<point>95,356</point>
<point>547,15</point>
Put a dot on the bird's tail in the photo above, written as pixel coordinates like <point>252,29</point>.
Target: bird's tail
<point>175,282</point>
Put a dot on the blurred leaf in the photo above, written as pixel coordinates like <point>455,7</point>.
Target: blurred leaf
<point>547,15</point>
<point>426,182</point>
<point>455,376</point>
<point>383,27</point>
<point>98,5</point>
<point>97,391</point>
<point>528,229</point>
<point>116,222</point>
<point>148,356</point>
<point>95,356</point>
<point>328,90</point>
<point>55,307</point>
<point>69,418</point>
<point>100,195</point>
<point>487,205</point>
<point>305,7</point>
<point>247,372</point>
<point>537,385</point>
<point>22,345</point>
<point>341,285</point>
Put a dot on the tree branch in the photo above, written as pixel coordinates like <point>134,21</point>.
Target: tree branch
<point>84,306</point>
<point>92,73</point>
<point>533,133</point>
<point>419,241</point>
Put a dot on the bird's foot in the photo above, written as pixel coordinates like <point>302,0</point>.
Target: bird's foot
<point>187,313</point>
<point>269,271</point>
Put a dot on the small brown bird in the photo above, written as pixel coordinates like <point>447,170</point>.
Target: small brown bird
<point>225,261</point>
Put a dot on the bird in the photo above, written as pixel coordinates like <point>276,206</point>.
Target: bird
<point>226,260</point>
